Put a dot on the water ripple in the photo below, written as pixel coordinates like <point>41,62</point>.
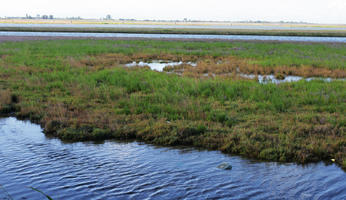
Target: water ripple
<point>115,170</point>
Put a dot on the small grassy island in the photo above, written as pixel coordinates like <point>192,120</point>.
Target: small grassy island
<point>81,90</point>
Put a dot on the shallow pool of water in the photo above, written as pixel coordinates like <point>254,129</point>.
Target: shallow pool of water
<point>158,65</point>
<point>273,79</point>
<point>133,170</point>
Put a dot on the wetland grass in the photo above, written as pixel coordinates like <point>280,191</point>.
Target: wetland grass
<point>80,90</point>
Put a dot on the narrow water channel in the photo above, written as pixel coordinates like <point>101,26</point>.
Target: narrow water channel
<point>132,170</point>
<point>178,36</point>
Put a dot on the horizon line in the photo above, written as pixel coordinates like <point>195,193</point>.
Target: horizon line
<point>163,20</point>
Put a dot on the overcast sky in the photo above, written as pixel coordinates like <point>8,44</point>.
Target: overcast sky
<point>316,11</point>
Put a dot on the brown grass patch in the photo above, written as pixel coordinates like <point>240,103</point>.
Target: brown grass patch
<point>207,66</point>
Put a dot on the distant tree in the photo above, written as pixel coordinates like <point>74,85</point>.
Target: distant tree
<point>108,17</point>
<point>28,16</point>
<point>51,17</point>
<point>44,16</point>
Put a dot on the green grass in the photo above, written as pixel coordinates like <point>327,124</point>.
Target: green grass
<point>330,56</point>
<point>49,83</point>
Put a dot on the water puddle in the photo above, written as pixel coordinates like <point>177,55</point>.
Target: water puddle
<point>158,65</point>
<point>272,79</point>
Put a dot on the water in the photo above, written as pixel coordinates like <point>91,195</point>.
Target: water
<point>158,65</point>
<point>272,79</point>
<point>179,36</point>
<point>196,26</point>
<point>118,170</point>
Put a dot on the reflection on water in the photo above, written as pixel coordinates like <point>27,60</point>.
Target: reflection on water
<point>158,65</point>
<point>115,170</point>
<point>273,79</point>
<point>180,36</point>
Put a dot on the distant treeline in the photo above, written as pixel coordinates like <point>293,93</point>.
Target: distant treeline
<point>108,17</point>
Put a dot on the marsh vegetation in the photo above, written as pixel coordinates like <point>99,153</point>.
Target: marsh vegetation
<point>81,90</point>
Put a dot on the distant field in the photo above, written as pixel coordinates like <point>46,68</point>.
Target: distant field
<point>214,28</point>
<point>95,21</point>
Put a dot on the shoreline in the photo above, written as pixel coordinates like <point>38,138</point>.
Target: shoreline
<point>133,139</point>
<point>186,31</point>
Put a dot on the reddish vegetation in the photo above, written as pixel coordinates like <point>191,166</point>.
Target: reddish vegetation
<point>220,66</point>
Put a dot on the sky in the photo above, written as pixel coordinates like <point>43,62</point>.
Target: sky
<point>314,11</point>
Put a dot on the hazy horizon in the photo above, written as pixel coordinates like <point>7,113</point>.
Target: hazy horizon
<point>317,11</point>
